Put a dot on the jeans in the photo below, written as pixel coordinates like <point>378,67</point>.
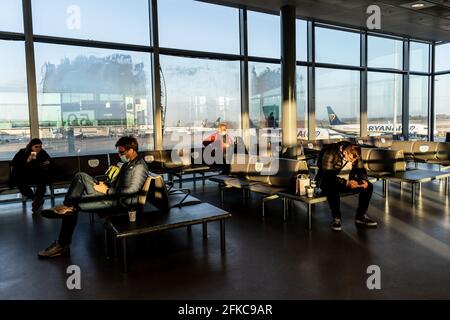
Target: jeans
<point>81,188</point>
<point>333,191</point>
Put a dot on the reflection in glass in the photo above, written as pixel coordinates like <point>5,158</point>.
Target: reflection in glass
<point>384,103</point>
<point>216,28</point>
<point>442,95</point>
<point>199,94</point>
<point>384,53</point>
<point>89,97</point>
<point>14,121</point>
<point>337,103</point>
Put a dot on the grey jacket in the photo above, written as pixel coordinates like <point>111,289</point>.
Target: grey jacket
<point>131,178</point>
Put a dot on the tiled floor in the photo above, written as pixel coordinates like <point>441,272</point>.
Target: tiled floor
<point>265,259</point>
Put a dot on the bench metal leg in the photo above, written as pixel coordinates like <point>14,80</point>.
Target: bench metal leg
<point>221,187</point>
<point>446,186</point>
<point>420,189</point>
<point>105,240</point>
<point>265,199</point>
<point>124,255</point>
<point>189,229</point>
<point>222,235</point>
<point>309,206</point>
<point>195,182</point>
<point>180,181</point>
<point>386,189</point>
<point>91,218</point>
<point>203,179</point>
<point>285,208</point>
<point>205,231</point>
<point>413,193</point>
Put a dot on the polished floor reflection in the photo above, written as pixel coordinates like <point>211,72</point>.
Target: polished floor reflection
<point>265,259</point>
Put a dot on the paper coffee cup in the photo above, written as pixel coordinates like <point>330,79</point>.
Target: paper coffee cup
<point>309,192</point>
<point>132,216</point>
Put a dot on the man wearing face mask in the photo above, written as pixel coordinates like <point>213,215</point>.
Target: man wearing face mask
<point>341,170</point>
<point>129,182</point>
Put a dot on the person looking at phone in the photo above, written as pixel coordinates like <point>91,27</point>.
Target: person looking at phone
<point>341,170</point>
<point>31,167</point>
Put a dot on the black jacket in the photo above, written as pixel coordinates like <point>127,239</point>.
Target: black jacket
<point>331,161</point>
<point>23,171</point>
<point>130,179</point>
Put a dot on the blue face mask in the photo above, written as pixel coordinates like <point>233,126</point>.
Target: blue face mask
<point>124,159</point>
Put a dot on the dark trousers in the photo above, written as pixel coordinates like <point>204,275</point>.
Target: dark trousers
<point>25,189</point>
<point>333,196</point>
<point>81,188</point>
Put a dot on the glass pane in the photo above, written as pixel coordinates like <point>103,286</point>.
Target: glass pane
<point>418,106</point>
<point>337,47</point>
<point>11,16</point>
<point>14,121</point>
<point>103,20</point>
<point>384,53</point>
<point>419,56</point>
<point>263,35</point>
<point>442,83</point>
<point>384,103</point>
<point>337,103</point>
<point>90,97</point>
<point>302,40</point>
<point>198,95</point>
<point>442,57</point>
<point>302,102</point>
<point>265,101</point>
<point>193,25</point>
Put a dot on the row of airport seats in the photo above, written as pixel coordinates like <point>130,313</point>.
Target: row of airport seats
<point>390,165</point>
<point>264,175</point>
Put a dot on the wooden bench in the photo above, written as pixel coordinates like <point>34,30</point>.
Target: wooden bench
<point>156,221</point>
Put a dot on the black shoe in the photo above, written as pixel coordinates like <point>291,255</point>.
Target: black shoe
<point>54,250</point>
<point>365,220</point>
<point>37,204</point>
<point>336,226</point>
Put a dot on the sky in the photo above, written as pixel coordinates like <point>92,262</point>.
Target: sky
<point>216,29</point>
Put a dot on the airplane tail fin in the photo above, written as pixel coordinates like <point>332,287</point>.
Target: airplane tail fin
<point>333,118</point>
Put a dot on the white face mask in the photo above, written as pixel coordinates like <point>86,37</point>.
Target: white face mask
<point>124,158</point>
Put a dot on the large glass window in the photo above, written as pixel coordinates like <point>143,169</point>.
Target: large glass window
<point>302,102</point>
<point>385,53</point>
<point>263,35</point>
<point>384,103</point>
<point>337,47</point>
<point>14,121</point>
<point>89,97</point>
<point>442,57</point>
<point>11,16</point>
<point>103,20</point>
<point>302,40</point>
<point>337,103</point>
<point>198,26</point>
<point>418,107</point>
<point>442,95</point>
<point>265,100</point>
<point>198,95</point>
<point>419,57</point>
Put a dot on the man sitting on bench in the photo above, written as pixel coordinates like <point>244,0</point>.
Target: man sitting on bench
<point>342,171</point>
<point>129,182</point>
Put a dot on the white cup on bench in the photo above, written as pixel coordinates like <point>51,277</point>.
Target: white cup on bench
<point>309,191</point>
<point>132,215</point>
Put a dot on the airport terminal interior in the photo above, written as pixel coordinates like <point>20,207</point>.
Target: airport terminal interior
<point>288,93</point>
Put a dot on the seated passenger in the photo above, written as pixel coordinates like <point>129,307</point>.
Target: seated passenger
<point>341,170</point>
<point>31,167</point>
<point>129,182</point>
<point>222,142</point>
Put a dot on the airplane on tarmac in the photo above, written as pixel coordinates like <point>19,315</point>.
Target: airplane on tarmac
<point>375,128</point>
